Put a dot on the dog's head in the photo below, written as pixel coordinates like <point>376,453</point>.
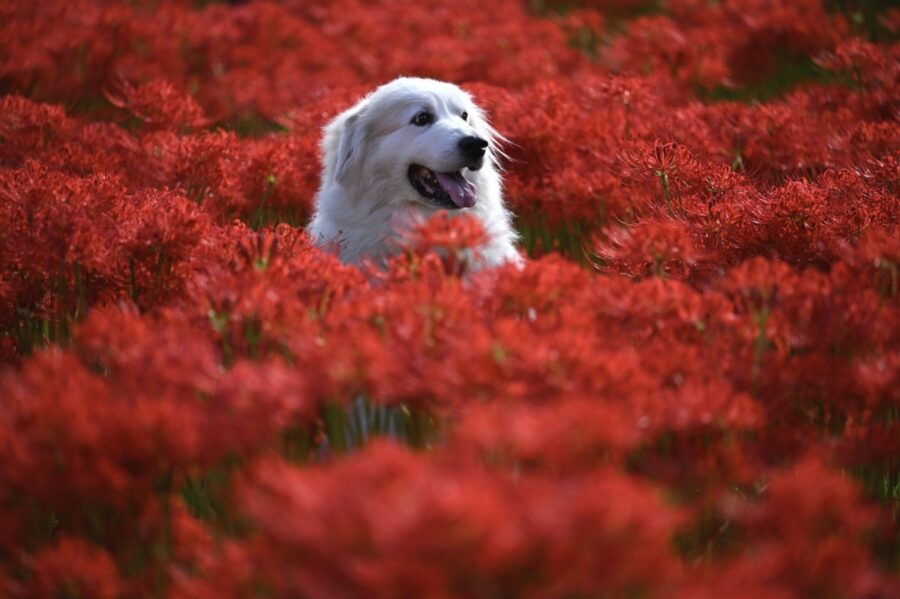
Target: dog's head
<point>412,141</point>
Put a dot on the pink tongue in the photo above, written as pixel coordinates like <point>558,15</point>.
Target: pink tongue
<point>461,191</point>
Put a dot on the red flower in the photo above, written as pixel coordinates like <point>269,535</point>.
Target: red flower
<point>648,248</point>
<point>159,105</point>
<point>75,568</point>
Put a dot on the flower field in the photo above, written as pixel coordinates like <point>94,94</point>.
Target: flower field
<point>691,389</point>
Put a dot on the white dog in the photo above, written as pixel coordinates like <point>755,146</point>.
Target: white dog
<point>409,149</point>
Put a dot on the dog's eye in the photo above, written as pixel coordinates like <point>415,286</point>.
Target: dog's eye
<point>465,115</point>
<point>423,118</point>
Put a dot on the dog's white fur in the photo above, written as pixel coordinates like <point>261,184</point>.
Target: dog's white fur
<point>366,199</point>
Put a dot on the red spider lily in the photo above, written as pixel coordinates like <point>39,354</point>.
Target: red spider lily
<point>27,126</point>
<point>869,65</point>
<point>657,248</point>
<point>805,538</point>
<point>487,536</point>
<point>569,435</point>
<point>159,105</point>
<point>725,44</point>
<point>451,235</point>
<point>669,166</point>
<point>456,241</point>
<point>75,567</point>
<point>878,255</point>
<point>52,424</point>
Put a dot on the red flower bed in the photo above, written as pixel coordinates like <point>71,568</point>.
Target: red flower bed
<point>690,389</point>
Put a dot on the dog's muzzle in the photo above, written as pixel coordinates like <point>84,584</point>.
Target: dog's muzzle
<point>473,149</point>
<point>450,191</point>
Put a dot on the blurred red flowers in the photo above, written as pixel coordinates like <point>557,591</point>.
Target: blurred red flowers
<point>690,388</point>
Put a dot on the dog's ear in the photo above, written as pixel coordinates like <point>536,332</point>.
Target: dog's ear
<point>345,142</point>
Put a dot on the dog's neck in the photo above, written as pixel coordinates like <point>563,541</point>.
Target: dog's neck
<point>356,229</point>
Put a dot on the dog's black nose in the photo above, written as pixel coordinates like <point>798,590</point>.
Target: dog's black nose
<point>473,148</point>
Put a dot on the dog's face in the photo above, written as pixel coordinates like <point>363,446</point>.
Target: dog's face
<point>412,141</point>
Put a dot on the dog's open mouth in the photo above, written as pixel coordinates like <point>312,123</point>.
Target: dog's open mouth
<point>446,190</point>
